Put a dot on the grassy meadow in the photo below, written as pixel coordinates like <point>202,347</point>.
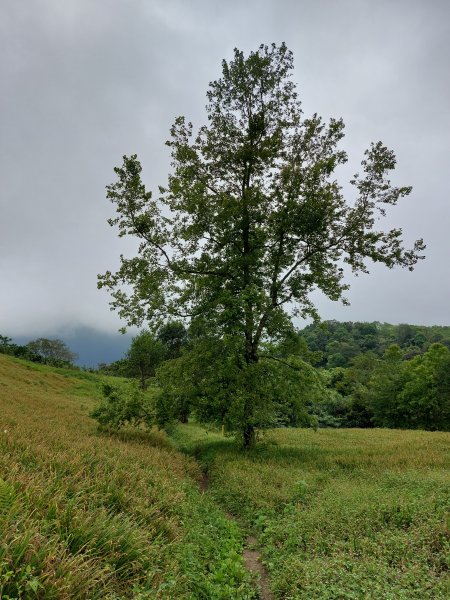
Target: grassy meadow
<point>338,514</point>
<point>87,515</point>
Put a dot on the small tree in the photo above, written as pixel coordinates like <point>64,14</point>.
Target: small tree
<point>122,406</point>
<point>53,352</point>
<point>5,343</point>
<point>251,220</point>
<point>144,356</point>
<point>174,337</point>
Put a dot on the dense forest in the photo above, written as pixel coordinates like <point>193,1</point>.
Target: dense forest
<point>382,375</point>
<point>339,343</point>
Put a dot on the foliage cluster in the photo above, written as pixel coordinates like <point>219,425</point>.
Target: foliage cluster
<point>125,404</point>
<point>88,515</point>
<point>385,386</point>
<point>147,351</point>
<point>340,342</point>
<point>339,513</point>
<point>412,394</point>
<point>389,391</point>
<point>208,383</point>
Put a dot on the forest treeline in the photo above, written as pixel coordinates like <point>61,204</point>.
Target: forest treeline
<point>382,375</point>
<point>340,342</point>
<point>329,374</point>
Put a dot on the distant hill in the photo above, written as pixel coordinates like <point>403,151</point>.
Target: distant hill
<point>340,342</point>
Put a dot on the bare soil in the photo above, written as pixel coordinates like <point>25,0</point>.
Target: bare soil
<point>252,561</point>
<point>203,484</point>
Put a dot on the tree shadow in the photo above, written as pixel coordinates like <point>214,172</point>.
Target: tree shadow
<point>205,451</point>
<point>153,438</point>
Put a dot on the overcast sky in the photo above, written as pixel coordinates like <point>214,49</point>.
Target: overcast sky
<point>85,81</point>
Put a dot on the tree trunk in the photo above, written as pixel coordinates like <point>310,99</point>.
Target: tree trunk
<point>248,429</point>
<point>143,382</point>
<point>248,435</point>
<point>183,414</point>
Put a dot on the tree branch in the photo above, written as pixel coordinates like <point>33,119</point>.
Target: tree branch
<point>283,362</point>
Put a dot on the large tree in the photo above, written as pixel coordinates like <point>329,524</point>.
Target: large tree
<point>413,394</point>
<point>251,220</point>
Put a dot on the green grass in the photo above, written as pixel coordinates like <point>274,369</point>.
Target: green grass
<point>89,515</point>
<point>339,514</point>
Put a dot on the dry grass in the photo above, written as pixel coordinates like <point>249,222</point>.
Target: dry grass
<point>89,515</point>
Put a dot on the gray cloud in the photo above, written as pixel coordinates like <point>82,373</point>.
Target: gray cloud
<point>84,82</point>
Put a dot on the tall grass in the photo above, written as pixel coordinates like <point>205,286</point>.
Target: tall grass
<point>339,514</point>
<point>89,515</point>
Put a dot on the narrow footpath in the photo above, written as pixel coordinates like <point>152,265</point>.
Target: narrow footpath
<point>251,554</point>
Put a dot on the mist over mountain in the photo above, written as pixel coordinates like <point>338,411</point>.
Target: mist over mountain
<point>92,346</point>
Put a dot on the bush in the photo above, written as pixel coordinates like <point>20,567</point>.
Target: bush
<point>126,405</point>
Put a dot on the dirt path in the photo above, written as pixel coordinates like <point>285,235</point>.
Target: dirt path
<point>251,554</point>
<point>252,561</point>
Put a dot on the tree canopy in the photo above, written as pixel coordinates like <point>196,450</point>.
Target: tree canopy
<point>54,352</point>
<point>412,394</point>
<point>252,219</point>
<point>146,353</point>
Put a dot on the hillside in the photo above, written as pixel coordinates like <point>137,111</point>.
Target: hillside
<point>85,515</point>
<point>338,343</point>
<point>348,514</point>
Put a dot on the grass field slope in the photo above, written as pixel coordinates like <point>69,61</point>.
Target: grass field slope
<point>84,515</point>
<point>339,514</point>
